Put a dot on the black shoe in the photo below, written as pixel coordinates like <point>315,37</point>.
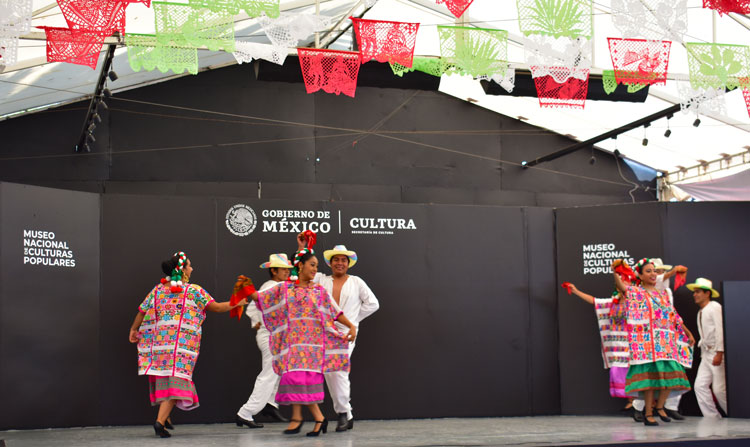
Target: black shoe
<point>343,423</point>
<point>294,431</point>
<point>273,413</point>
<point>637,415</point>
<point>664,418</point>
<point>674,414</point>
<point>160,430</point>
<point>168,424</point>
<point>647,422</point>
<point>323,428</point>
<point>250,424</point>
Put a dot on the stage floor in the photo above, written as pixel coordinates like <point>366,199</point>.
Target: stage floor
<point>526,431</point>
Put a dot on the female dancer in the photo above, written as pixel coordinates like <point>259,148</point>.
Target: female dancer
<point>610,313</point>
<point>304,341</point>
<point>167,329</point>
<point>652,326</point>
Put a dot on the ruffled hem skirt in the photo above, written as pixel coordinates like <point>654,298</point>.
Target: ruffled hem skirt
<point>163,388</point>
<point>617,381</point>
<point>661,375</point>
<point>300,387</point>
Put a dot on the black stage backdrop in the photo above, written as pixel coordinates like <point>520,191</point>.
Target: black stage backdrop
<point>452,282</point>
<point>736,308</point>
<point>468,324</point>
<point>709,238</point>
<point>49,307</point>
<point>464,329</point>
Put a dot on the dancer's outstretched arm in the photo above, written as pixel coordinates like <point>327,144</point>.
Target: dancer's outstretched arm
<point>584,296</point>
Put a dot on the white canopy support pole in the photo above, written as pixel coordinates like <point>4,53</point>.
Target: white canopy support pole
<point>317,14</point>
<point>713,26</point>
<point>44,9</point>
<point>341,20</point>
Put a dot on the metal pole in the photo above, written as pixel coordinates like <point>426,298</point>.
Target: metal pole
<point>612,133</point>
<point>317,14</point>
<point>96,98</point>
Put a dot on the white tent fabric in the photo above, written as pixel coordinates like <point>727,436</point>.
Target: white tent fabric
<point>732,188</point>
<point>32,84</point>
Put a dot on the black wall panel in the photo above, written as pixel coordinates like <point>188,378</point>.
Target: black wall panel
<point>736,334</point>
<point>584,382</point>
<point>711,240</point>
<point>137,234</point>
<point>49,328</point>
<point>544,373</point>
<point>454,292</point>
<point>708,238</point>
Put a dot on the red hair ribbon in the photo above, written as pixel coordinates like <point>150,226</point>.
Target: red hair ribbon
<point>311,238</point>
<point>567,286</point>
<point>626,273</point>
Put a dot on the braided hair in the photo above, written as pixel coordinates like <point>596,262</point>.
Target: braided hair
<point>172,267</point>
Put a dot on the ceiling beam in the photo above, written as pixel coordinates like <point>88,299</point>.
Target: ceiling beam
<point>605,136</point>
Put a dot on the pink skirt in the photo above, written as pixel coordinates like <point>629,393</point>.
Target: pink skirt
<point>617,379</point>
<point>163,388</point>
<point>300,387</point>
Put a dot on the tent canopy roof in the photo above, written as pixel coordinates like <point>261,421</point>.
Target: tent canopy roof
<point>33,84</point>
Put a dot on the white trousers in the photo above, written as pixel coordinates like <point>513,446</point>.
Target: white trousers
<point>266,384</point>
<point>710,378</point>
<point>341,389</point>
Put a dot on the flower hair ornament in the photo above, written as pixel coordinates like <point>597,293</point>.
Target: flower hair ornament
<point>640,264</point>
<point>311,238</point>
<point>175,279</point>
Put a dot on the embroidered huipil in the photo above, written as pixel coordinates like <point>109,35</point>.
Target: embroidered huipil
<point>655,329</point>
<point>171,331</point>
<point>613,331</point>
<point>303,336</point>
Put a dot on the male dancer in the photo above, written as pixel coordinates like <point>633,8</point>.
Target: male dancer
<point>262,400</point>
<point>711,370</point>
<point>357,302</point>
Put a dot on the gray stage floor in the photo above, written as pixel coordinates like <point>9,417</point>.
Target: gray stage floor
<point>526,431</point>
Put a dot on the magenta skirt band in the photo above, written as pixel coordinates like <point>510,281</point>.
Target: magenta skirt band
<point>617,379</point>
<point>173,388</point>
<point>300,387</point>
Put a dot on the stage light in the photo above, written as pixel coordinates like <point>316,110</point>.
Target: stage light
<point>107,93</point>
<point>317,159</point>
<point>645,142</point>
<point>103,104</point>
<point>96,118</point>
<point>113,76</point>
<point>91,138</point>
<point>92,126</point>
<point>592,160</point>
<point>697,122</point>
<point>524,163</point>
<point>86,147</point>
<point>667,133</point>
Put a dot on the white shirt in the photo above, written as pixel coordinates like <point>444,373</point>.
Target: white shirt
<point>710,327</point>
<point>356,299</point>
<point>662,284</point>
<point>252,310</point>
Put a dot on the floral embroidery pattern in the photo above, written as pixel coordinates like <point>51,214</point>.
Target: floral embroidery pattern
<point>304,336</point>
<point>171,331</point>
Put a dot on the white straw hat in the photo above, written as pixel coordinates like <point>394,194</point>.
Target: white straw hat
<point>705,284</point>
